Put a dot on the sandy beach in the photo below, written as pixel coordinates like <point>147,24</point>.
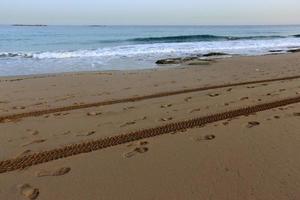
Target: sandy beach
<point>127,135</point>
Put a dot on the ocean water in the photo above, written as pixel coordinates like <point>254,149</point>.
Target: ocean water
<point>51,49</point>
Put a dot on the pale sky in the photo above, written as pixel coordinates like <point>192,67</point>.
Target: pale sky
<point>150,12</point>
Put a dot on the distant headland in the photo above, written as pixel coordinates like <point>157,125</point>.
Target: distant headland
<point>29,25</point>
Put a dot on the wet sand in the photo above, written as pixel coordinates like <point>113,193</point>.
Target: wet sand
<point>248,157</point>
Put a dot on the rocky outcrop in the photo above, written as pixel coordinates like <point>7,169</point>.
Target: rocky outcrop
<point>215,54</point>
<point>293,50</point>
<point>191,60</point>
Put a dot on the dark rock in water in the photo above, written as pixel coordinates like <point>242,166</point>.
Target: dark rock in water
<point>276,51</point>
<point>169,61</point>
<point>190,60</point>
<point>215,54</point>
<point>293,50</point>
<point>298,35</point>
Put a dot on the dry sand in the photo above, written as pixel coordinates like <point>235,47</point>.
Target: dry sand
<point>249,157</point>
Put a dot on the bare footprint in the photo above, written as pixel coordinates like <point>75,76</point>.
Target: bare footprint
<point>128,124</point>
<point>19,107</point>
<point>87,134</point>
<point>32,132</point>
<point>209,137</point>
<point>225,123</point>
<point>140,143</point>
<point>195,110</point>
<point>213,95</point>
<point>206,137</point>
<point>166,105</point>
<point>129,108</point>
<point>28,191</point>
<point>244,98</point>
<point>166,119</point>
<point>296,114</point>
<point>137,150</point>
<point>252,124</point>
<point>34,142</point>
<point>187,99</point>
<point>143,143</point>
<point>93,113</point>
<point>56,172</point>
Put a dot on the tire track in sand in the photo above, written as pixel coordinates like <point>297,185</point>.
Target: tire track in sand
<point>37,113</point>
<point>86,147</point>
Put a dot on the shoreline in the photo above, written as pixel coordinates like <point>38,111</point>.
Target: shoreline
<point>157,66</point>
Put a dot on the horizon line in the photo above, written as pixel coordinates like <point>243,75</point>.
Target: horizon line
<point>41,24</point>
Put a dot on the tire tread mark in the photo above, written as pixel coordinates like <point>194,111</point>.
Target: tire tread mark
<point>37,113</point>
<point>90,146</point>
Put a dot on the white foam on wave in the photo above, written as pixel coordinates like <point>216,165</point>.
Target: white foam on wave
<point>237,47</point>
<point>127,57</point>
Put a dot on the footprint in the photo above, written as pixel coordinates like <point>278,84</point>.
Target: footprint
<point>195,110</point>
<point>166,119</point>
<point>19,107</point>
<point>32,132</point>
<point>225,123</point>
<point>213,95</point>
<point>187,99</point>
<point>56,172</point>
<point>143,143</point>
<point>129,108</point>
<point>209,137</point>
<point>128,124</point>
<point>34,142</point>
<point>137,150</point>
<point>93,113</point>
<point>244,98</point>
<point>206,137</point>
<point>66,133</point>
<point>140,143</point>
<point>87,134</point>
<point>252,124</point>
<point>166,105</point>
<point>297,114</point>
<point>28,191</point>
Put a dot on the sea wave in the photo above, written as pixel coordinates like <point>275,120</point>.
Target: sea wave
<point>233,45</point>
<point>200,38</point>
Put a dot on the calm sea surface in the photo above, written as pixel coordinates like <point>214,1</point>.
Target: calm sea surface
<point>36,50</point>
